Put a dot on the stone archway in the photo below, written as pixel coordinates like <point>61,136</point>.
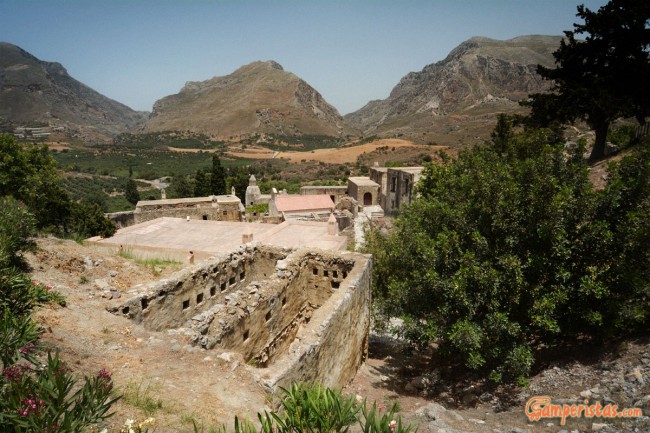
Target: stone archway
<point>367,199</point>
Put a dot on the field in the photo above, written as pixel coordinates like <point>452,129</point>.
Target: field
<point>98,173</point>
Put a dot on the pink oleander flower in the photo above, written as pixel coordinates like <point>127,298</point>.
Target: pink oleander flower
<point>30,405</point>
<point>25,350</point>
<point>105,381</point>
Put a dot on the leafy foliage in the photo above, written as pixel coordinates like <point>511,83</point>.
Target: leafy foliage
<point>313,408</point>
<point>28,174</point>
<point>179,187</point>
<point>37,395</point>
<point>602,77</point>
<point>131,191</point>
<point>510,246</point>
<point>201,184</point>
<point>217,177</point>
<point>17,226</point>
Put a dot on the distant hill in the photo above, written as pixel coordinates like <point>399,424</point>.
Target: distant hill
<point>478,78</point>
<point>33,91</point>
<point>259,98</point>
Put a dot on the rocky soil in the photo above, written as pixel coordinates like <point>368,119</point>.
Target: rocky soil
<point>163,376</point>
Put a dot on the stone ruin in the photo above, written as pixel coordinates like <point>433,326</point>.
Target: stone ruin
<point>294,316</point>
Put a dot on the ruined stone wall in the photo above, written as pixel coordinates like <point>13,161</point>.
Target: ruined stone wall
<point>171,302</point>
<point>297,317</point>
<point>334,343</point>
<point>122,219</point>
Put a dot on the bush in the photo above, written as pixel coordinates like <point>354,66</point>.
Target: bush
<point>39,395</point>
<point>510,246</point>
<point>315,408</point>
<point>17,226</point>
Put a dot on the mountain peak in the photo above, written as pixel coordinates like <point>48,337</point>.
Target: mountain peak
<point>260,97</point>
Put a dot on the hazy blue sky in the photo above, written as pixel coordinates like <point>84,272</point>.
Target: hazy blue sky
<point>137,51</point>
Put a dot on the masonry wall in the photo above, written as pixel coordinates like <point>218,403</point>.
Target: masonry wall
<point>122,219</point>
<point>220,212</point>
<point>335,341</point>
<point>358,191</point>
<point>297,317</point>
<point>335,192</point>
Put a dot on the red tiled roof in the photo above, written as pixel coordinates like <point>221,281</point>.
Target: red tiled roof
<point>293,203</point>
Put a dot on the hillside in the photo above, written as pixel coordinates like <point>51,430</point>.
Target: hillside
<point>35,92</point>
<point>478,78</point>
<point>259,98</point>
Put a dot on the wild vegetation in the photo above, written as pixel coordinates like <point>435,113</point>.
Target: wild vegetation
<point>510,248</point>
<point>38,392</point>
<point>604,76</point>
<point>314,408</point>
<point>29,174</point>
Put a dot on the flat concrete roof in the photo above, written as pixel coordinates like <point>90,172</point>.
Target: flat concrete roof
<point>323,187</point>
<point>308,202</point>
<point>175,237</point>
<point>363,181</point>
<point>219,198</point>
<point>415,170</point>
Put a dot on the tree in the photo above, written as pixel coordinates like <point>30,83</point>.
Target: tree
<point>511,246</point>
<point>17,226</point>
<point>238,178</point>
<point>603,77</point>
<point>28,173</point>
<point>202,184</point>
<point>131,191</point>
<point>179,187</point>
<point>218,177</point>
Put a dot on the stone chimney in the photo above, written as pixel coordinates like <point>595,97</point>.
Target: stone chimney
<point>247,237</point>
<point>163,194</point>
<point>332,226</point>
<point>232,190</point>
<point>376,164</point>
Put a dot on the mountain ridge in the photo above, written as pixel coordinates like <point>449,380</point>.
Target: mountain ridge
<point>33,90</point>
<point>257,98</point>
<point>479,72</point>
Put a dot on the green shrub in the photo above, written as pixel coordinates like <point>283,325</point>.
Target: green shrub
<point>511,246</point>
<point>17,226</point>
<point>39,395</point>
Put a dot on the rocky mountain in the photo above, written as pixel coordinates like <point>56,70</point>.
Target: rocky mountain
<point>33,91</point>
<point>478,78</point>
<point>260,97</point>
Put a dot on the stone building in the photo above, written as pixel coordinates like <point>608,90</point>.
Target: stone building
<point>254,195</point>
<point>335,192</point>
<point>379,175</point>
<point>363,190</point>
<point>400,183</point>
<point>214,208</point>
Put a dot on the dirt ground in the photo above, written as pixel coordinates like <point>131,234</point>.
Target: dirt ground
<point>162,376</point>
<point>343,155</point>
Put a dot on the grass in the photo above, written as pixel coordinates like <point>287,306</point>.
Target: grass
<point>144,396</point>
<point>155,264</point>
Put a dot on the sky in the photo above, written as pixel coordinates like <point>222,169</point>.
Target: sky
<point>138,51</point>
